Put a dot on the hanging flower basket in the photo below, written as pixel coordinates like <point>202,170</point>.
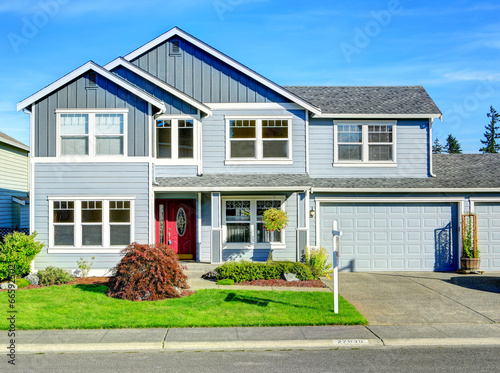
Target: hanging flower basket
<point>274,220</point>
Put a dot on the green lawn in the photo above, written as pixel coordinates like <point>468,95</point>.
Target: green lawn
<point>87,307</point>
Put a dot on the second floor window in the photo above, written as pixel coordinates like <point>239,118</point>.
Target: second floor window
<point>91,134</point>
<point>258,139</point>
<point>175,139</point>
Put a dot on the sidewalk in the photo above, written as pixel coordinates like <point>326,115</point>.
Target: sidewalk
<point>277,338</point>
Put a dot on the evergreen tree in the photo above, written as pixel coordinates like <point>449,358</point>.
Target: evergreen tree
<point>452,146</point>
<point>437,148</point>
<point>492,133</point>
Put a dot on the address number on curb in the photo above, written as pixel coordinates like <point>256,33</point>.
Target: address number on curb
<point>350,342</point>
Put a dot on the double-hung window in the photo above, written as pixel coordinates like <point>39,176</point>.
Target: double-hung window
<point>92,133</point>
<point>176,139</point>
<point>258,140</point>
<point>90,224</point>
<point>243,221</point>
<point>365,143</point>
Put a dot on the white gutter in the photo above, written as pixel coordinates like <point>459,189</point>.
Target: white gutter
<point>407,190</point>
<point>232,189</point>
<point>378,116</point>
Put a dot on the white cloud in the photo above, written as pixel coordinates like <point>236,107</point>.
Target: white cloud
<point>472,75</point>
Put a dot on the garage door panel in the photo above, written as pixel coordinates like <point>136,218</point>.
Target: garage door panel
<point>393,237</point>
<point>488,236</point>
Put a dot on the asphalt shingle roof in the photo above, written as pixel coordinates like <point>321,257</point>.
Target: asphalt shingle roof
<point>368,100</point>
<point>453,171</point>
<point>10,140</point>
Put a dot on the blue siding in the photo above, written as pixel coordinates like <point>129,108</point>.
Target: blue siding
<point>92,180</point>
<point>174,104</point>
<point>74,95</point>
<point>202,76</point>
<point>175,171</point>
<point>214,144</point>
<point>412,152</point>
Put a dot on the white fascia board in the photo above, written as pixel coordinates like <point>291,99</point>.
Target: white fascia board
<point>221,56</point>
<point>232,189</point>
<point>82,70</point>
<point>14,144</point>
<point>160,83</point>
<point>253,106</point>
<point>403,199</point>
<point>381,116</point>
<point>406,190</point>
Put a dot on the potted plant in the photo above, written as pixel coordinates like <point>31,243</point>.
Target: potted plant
<point>470,257</point>
<point>274,219</point>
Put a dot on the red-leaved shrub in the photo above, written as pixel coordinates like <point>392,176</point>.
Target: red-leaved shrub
<point>147,272</point>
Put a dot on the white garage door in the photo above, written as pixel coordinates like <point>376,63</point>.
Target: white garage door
<point>488,235</point>
<point>393,237</point>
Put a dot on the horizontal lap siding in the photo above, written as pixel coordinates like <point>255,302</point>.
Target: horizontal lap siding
<point>175,171</point>
<point>74,95</point>
<point>92,180</point>
<point>214,144</point>
<point>412,152</point>
<point>202,76</point>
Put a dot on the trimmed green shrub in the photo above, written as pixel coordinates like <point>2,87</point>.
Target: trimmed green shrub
<point>22,283</point>
<point>147,272</point>
<point>249,271</point>
<point>54,276</point>
<point>19,249</point>
<point>226,281</point>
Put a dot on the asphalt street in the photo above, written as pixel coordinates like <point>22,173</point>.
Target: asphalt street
<point>454,359</point>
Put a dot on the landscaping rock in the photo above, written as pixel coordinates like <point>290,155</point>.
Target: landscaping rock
<point>210,275</point>
<point>8,285</point>
<point>33,279</point>
<point>290,277</point>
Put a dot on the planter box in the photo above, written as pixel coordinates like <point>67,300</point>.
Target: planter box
<point>470,264</point>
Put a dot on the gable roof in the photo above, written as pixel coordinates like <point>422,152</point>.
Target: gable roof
<point>382,102</point>
<point>221,56</point>
<point>98,69</point>
<point>13,142</point>
<point>120,61</point>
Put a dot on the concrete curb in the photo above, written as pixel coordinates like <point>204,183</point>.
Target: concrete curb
<point>254,345</point>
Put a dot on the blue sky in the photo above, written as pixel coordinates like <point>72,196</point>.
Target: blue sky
<point>452,48</point>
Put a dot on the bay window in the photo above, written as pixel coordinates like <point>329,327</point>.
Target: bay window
<point>258,140</point>
<point>363,143</point>
<point>96,132</point>
<point>242,219</point>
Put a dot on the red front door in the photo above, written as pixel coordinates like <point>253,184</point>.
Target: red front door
<point>176,225</point>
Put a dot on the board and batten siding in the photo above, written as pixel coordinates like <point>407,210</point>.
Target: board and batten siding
<point>13,182</point>
<point>202,76</point>
<point>412,144</point>
<point>75,95</point>
<point>173,104</point>
<point>89,180</point>
<point>214,144</point>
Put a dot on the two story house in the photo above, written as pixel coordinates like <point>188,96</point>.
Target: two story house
<point>14,192</point>
<point>178,143</point>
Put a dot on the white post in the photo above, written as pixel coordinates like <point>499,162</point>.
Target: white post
<point>336,238</point>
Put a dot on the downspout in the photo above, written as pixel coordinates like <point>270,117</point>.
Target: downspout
<point>431,121</point>
<point>30,179</point>
<point>155,116</point>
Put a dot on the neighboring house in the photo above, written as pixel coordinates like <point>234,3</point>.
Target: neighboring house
<point>178,143</point>
<point>14,191</point>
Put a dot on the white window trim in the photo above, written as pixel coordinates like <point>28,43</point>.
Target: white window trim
<point>175,144</point>
<point>364,153</point>
<point>259,141</point>
<point>106,247</point>
<point>253,244</point>
<point>91,133</point>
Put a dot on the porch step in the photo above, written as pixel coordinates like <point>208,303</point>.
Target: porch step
<point>194,268</point>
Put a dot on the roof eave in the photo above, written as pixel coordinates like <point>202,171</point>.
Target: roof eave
<point>15,144</point>
<point>378,115</point>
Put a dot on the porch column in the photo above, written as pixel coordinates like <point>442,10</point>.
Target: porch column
<point>216,229</point>
<point>302,219</point>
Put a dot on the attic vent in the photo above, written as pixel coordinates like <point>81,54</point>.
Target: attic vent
<point>175,47</point>
<point>92,80</point>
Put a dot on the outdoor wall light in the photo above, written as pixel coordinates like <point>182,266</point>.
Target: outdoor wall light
<point>311,213</point>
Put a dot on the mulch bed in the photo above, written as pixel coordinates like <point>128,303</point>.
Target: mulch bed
<point>284,283</point>
<point>77,281</point>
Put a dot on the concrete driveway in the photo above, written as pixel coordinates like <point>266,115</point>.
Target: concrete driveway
<point>392,298</point>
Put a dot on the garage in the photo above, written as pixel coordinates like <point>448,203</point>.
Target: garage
<point>488,234</point>
<point>393,236</point>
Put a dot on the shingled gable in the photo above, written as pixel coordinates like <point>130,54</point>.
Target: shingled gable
<point>91,66</point>
<point>177,32</point>
<point>370,101</point>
